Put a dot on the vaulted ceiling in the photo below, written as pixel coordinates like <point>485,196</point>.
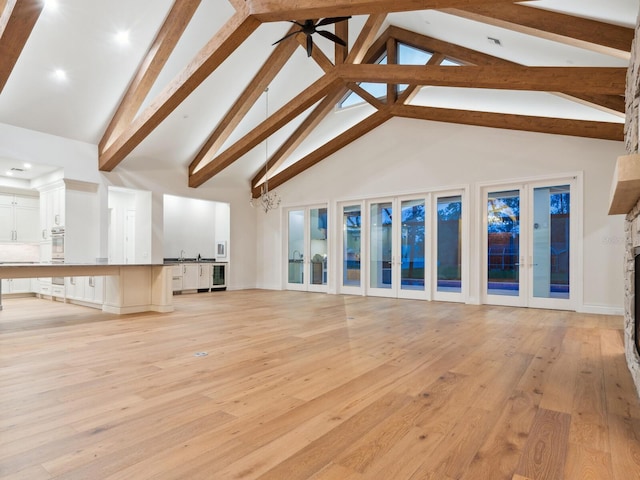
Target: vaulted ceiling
<point>204,87</point>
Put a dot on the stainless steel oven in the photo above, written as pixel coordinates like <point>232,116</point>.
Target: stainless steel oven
<point>57,251</point>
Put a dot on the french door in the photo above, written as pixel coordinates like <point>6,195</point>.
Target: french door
<point>529,242</point>
<point>307,249</point>
<point>397,248</point>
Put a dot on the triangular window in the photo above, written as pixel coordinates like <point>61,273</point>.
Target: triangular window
<point>407,55</point>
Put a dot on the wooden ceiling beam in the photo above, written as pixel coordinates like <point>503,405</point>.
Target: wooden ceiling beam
<point>556,126</point>
<point>612,104</point>
<point>364,44</point>
<point>579,32</point>
<point>237,29</point>
<point>275,122</point>
<point>167,38</point>
<point>284,10</point>
<point>412,90</point>
<point>340,51</point>
<point>364,48</point>
<point>329,148</point>
<point>591,80</point>
<point>609,103</point>
<point>17,19</point>
<point>366,96</point>
<point>278,58</point>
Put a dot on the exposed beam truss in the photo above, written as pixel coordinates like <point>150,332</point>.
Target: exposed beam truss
<point>365,48</point>
<point>602,87</point>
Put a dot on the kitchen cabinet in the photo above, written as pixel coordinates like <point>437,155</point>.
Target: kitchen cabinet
<point>75,206</point>
<point>16,285</point>
<point>94,290</point>
<point>190,276</point>
<point>185,276</point>
<point>19,218</point>
<point>204,276</point>
<point>194,276</point>
<point>74,288</point>
<point>85,289</point>
<point>52,210</point>
<point>176,276</point>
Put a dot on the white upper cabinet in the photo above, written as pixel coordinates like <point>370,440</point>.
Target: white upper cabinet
<point>19,218</point>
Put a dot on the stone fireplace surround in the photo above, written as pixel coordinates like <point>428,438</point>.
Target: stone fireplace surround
<point>632,221</point>
<point>632,234</point>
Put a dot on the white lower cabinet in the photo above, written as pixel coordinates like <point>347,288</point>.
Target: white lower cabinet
<point>16,285</point>
<point>190,276</point>
<point>85,289</point>
<point>204,276</point>
<point>193,276</point>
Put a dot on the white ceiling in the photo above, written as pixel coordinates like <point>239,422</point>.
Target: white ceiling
<point>78,37</point>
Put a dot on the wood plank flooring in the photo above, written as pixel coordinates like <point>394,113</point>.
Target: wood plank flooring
<point>310,386</point>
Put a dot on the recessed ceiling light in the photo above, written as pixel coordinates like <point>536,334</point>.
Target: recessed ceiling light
<point>27,166</point>
<point>122,37</point>
<point>51,5</point>
<point>60,75</point>
<point>9,173</point>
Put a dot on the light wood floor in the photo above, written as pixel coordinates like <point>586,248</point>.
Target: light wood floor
<point>313,386</point>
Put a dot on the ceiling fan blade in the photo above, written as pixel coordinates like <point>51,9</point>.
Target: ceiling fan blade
<point>330,20</point>
<point>309,45</point>
<point>287,36</point>
<point>332,37</point>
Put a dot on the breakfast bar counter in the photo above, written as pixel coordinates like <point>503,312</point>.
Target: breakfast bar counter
<point>129,288</point>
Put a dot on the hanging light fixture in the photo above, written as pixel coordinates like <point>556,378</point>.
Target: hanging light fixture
<point>268,200</point>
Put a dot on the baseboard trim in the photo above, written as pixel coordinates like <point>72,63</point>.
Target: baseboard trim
<point>601,310</point>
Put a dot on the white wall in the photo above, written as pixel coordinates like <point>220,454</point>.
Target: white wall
<point>405,156</point>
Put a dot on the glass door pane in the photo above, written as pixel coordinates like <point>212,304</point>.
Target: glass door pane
<point>380,245</point>
<point>503,243</point>
<point>551,235</point>
<point>296,247</point>
<point>351,247</point>
<point>449,275</point>
<point>412,245</point>
<point>318,247</point>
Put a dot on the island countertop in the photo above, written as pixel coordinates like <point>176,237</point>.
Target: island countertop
<point>35,270</point>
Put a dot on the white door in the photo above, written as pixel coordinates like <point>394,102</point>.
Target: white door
<point>351,272</point>
<point>450,246</point>
<point>529,237</point>
<point>307,249</point>
<point>397,252</point>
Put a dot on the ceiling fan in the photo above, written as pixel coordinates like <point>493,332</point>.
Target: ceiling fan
<point>309,27</point>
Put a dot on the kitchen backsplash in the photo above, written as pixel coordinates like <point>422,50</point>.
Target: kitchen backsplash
<point>19,252</point>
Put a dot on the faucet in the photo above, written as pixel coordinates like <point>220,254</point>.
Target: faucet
<point>181,255</point>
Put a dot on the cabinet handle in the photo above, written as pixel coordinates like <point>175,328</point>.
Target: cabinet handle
<point>91,282</point>
<point>184,269</point>
<point>44,233</point>
<point>200,270</point>
<point>56,219</point>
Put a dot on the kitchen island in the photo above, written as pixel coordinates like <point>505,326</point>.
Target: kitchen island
<point>128,288</point>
